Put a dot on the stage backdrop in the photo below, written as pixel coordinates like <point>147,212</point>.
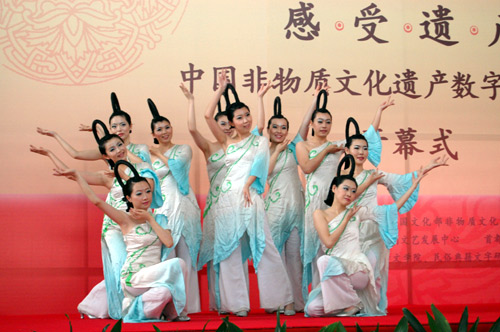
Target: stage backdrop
<point>438,60</point>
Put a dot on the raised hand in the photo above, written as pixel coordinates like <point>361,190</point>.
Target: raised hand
<point>68,173</point>
<point>264,88</point>
<point>186,92</point>
<point>321,86</point>
<point>283,145</point>
<point>389,102</point>
<point>139,214</point>
<point>84,127</point>
<point>222,80</point>
<point>352,211</point>
<point>45,132</point>
<point>40,150</point>
<point>333,148</point>
<point>436,162</point>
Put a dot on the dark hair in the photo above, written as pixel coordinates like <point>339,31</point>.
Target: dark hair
<point>156,117</point>
<point>232,107</point>
<point>220,112</point>
<point>128,186</point>
<point>277,113</point>
<point>117,111</point>
<point>101,141</point>
<point>357,135</point>
<point>347,161</point>
<point>320,109</point>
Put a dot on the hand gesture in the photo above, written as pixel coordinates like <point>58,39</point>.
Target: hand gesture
<point>109,173</point>
<point>246,196</point>
<point>40,150</point>
<point>139,214</point>
<point>264,88</point>
<point>68,173</point>
<point>321,86</point>
<point>375,176</point>
<point>333,148</point>
<point>84,127</point>
<point>352,211</point>
<point>389,102</point>
<point>222,80</point>
<point>154,150</point>
<point>283,145</point>
<point>420,175</point>
<point>436,162</point>
<point>186,92</point>
<point>45,132</point>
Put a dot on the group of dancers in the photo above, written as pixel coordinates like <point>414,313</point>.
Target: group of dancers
<point>330,237</point>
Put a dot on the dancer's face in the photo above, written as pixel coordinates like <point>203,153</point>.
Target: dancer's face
<point>344,193</point>
<point>115,149</point>
<point>141,196</point>
<point>322,124</point>
<point>223,123</point>
<point>163,132</point>
<point>242,120</point>
<point>120,127</point>
<point>359,150</point>
<point>278,130</point>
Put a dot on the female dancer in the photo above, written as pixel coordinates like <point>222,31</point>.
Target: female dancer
<point>120,124</point>
<point>317,157</point>
<point>214,156</point>
<point>347,282</point>
<point>284,202</point>
<point>172,162</point>
<point>152,287</point>
<point>377,237</point>
<point>241,226</point>
<point>105,299</point>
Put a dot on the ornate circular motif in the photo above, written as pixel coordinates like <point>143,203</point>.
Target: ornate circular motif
<point>78,42</point>
<point>339,25</point>
<point>474,30</point>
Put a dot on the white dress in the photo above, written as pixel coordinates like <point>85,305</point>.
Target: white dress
<point>183,214</point>
<point>284,205</point>
<point>346,258</point>
<point>378,236</point>
<point>242,232</point>
<point>144,273</point>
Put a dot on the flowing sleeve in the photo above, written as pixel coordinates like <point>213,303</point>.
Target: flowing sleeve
<point>386,216</point>
<point>179,164</point>
<point>397,185</point>
<point>260,165</point>
<point>293,146</point>
<point>255,131</point>
<point>157,197</point>
<point>374,145</point>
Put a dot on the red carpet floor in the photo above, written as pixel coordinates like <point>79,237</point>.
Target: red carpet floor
<point>256,321</point>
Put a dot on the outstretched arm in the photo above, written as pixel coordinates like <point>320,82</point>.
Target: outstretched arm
<point>436,162</point>
<point>378,115</point>
<point>200,141</point>
<point>310,165</point>
<point>46,152</point>
<point>304,126</point>
<point>415,181</point>
<point>209,113</point>
<point>118,216</point>
<point>93,154</point>
<point>261,117</point>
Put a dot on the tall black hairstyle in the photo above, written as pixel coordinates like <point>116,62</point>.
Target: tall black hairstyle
<point>322,109</point>
<point>117,111</point>
<point>128,186</point>
<point>156,117</point>
<point>357,135</point>
<point>101,141</point>
<point>220,112</point>
<point>347,161</point>
<point>232,107</point>
<point>277,113</point>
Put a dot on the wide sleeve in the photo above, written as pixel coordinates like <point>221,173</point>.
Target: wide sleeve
<point>293,146</point>
<point>179,163</point>
<point>397,185</point>
<point>386,216</point>
<point>157,197</point>
<point>255,131</point>
<point>260,165</point>
<point>374,145</point>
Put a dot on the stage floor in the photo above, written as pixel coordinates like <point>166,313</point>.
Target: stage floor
<point>256,321</point>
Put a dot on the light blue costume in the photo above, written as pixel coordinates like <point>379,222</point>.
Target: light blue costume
<point>317,186</point>
<point>378,236</point>
<point>144,269</point>
<point>183,213</point>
